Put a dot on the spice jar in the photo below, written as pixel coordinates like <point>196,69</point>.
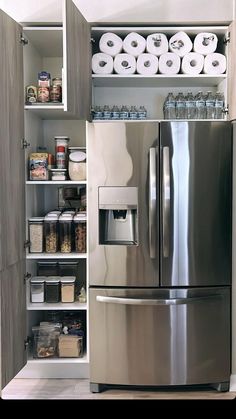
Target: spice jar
<point>51,233</point>
<point>77,164</point>
<point>61,141</point>
<point>37,289</point>
<point>68,289</point>
<point>36,234</point>
<point>65,223</point>
<point>53,289</point>
<point>80,234</point>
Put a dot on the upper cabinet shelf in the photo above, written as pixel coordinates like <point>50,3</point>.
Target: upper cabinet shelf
<point>158,80</point>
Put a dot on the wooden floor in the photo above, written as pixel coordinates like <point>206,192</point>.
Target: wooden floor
<point>45,389</point>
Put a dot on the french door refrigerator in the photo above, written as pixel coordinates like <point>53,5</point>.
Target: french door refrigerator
<point>159,253</point>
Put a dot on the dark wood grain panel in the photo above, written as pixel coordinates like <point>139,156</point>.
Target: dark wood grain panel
<point>78,50</point>
<point>13,325</point>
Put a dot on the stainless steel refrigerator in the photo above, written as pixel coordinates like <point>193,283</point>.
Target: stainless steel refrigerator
<point>159,253</point>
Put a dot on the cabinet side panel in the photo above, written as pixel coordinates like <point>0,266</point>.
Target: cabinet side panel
<point>231,71</point>
<point>77,50</point>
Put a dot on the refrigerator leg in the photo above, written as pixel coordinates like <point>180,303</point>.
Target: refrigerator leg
<point>96,388</point>
<point>221,386</point>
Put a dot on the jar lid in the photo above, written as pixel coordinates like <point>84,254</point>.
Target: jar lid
<point>61,137</point>
<point>79,218</point>
<point>68,279</point>
<point>66,217</point>
<point>77,156</point>
<point>51,217</point>
<point>53,279</point>
<point>38,279</point>
<point>36,219</point>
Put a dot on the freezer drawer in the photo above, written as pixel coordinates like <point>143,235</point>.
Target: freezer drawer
<point>160,337</point>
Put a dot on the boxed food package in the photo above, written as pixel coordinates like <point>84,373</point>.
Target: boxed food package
<point>44,79</point>
<point>38,166</point>
<point>70,346</point>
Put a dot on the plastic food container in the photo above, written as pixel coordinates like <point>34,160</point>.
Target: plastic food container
<point>37,289</point>
<point>45,341</point>
<point>36,234</point>
<point>58,174</point>
<point>48,268</point>
<point>65,224</point>
<point>68,289</point>
<point>77,164</point>
<point>61,141</point>
<point>51,233</point>
<point>52,289</point>
<point>80,234</point>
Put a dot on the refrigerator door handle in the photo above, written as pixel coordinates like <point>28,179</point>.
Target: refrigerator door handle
<point>152,202</point>
<point>155,302</point>
<point>166,201</point>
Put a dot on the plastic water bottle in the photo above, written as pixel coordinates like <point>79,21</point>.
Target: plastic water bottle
<point>115,112</point>
<point>106,112</point>
<point>219,105</point>
<point>169,107</point>
<point>210,106</point>
<point>133,113</point>
<point>190,112</point>
<point>124,112</point>
<point>200,106</point>
<point>180,106</point>
<point>97,113</point>
<point>142,112</point>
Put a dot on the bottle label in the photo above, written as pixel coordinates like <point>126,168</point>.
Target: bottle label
<point>115,115</point>
<point>124,115</point>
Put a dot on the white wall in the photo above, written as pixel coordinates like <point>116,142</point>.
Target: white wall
<point>151,11</point>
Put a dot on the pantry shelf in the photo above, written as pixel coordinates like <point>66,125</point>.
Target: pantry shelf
<point>58,360</point>
<point>72,255</point>
<point>56,182</point>
<point>57,306</point>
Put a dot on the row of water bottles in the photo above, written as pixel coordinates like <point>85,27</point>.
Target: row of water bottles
<point>201,106</point>
<point>115,112</point>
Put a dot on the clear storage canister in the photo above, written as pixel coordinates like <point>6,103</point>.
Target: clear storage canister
<point>51,233</point>
<point>77,163</point>
<point>80,234</point>
<point>68,289</point>
<point>52,289</point>
<point>65,223</point>
<point>36,234</point>
<point>37,289</point>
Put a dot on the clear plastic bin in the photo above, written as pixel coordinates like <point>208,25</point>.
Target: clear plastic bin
<point>36,234</point>
<point>65,226</point>
<point>37,289</point>
<point>45,341</point>
<point>80,234</point>
<point>51,233</point>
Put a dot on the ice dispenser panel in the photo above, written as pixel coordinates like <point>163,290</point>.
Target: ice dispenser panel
<point>118,215</point>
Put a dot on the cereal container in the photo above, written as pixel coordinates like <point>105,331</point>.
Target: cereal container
<point>80,234</point>
<point>67,289</point>
<point>36,234</point>
<point>65,226</point>
<point>51,233</point>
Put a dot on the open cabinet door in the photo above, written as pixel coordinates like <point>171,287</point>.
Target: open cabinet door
<point>76,62</point>
<point>232,72</point>
<point>12,186</point>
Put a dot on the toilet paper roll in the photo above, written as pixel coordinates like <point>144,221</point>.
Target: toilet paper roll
<point>110,43</point>
<point>169,63</point>
<point>192,63</point>
<point>134,44</point>
<point>180,43</point>
<point>214,63</point>
<point>147,64</point>
<point>157,44</point>
<point>205,43</point>
<point>102,63</point>
<point>124,64</point>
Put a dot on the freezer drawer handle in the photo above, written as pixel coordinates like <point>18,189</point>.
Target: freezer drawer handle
<point>152,202</point>
<point>166,202</point>
<point>156,302</point>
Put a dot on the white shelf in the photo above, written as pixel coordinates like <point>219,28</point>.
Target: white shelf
<point>50,111</point>
<point>158,80</point>
<point>73,255</point>
<point>57,306</point>
<point>59,361</point>
<point>56,182</point>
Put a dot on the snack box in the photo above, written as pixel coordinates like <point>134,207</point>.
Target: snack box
<point>38,166</point>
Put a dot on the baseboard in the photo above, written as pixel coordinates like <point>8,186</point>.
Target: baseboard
<point>232,382</point>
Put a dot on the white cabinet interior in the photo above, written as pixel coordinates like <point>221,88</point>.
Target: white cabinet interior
<point>151,91</point>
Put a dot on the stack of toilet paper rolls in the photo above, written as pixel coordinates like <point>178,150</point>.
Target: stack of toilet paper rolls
<point>157,54</point>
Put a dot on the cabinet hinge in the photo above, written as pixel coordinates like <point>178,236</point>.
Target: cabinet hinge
<point>23,40</point>
<point>226,110</point>
<point>27,276</point>
<point>26,342</point>
<point>24,143</point>
<point>26,244</point>
<point>226,38</point>
<point>92,40</point>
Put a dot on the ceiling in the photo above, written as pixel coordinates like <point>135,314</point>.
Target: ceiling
<point>159,11</point>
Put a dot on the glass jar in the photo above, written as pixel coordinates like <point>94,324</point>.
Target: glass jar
<point>80,234</point>
<point>77,164</point>
<point>37,289</point>
<point>65,223</point>
<point>51,233</point>
<point>52,289</point>
<point>36,234</point>
<point>68,289</point>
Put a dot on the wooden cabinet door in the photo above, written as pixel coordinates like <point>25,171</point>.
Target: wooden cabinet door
<point>76,61</point>
<point>232,72</point>
<point>12,186</point>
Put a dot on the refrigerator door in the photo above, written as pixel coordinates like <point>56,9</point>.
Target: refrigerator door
<point>195,221</point>
<point>123,176</point>
<point>160,337</point>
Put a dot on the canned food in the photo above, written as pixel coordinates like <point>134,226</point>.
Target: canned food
<point>43,94</point>
<point>56,93</point>
<point>57,81</point>
<point>44,79</point>
<point>31,94</point>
